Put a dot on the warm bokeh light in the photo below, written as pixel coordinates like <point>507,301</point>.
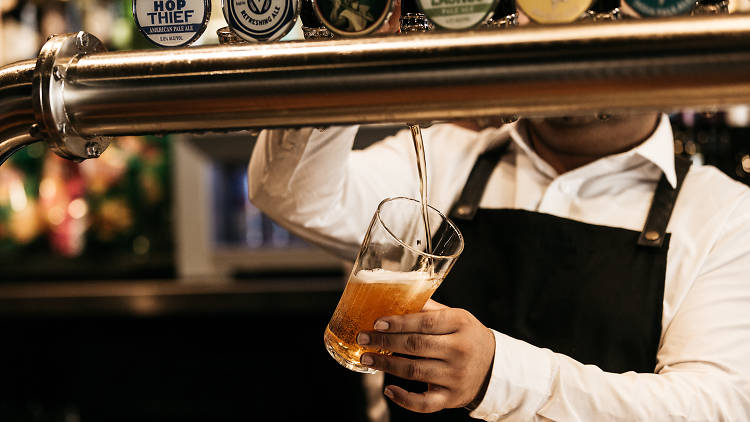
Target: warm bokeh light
<point>78,208</point>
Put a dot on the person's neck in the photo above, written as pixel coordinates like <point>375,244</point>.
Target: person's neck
<point>569,143</point>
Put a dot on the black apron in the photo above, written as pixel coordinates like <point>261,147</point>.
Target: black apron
<point>591,292</point>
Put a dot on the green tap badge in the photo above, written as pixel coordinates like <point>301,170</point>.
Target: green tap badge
<point>457,14</point>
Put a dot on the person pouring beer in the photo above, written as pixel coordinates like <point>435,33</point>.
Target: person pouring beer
<point>591,317</point>
<point>603,278</point>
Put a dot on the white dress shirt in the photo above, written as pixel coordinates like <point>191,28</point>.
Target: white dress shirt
<point>313,184</point>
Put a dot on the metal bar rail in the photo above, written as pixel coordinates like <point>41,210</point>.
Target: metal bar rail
<point>83,95</point>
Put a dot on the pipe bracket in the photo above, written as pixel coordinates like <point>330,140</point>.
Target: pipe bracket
<point>51,75</point>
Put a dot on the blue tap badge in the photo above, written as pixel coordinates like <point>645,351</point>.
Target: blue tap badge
<point>661,7</point>
<point>171,23</point>
<point>261,20</point>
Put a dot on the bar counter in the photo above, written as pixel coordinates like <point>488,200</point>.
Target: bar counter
<point>157,298</point>
<point>172,351</point>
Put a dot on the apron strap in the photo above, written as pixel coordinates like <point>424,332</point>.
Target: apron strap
<point>654,230</point>
<point>665,197</point>
<point>468,203</point>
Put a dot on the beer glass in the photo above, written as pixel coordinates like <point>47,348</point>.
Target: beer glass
<point>393,274</point>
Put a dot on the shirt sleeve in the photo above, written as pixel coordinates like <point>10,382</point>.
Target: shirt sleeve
<point>313,184</point>
<point>703,371</point>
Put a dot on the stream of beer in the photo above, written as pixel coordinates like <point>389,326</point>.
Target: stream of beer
<point>416,135</point>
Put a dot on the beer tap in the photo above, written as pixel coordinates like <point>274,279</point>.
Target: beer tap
<point>711,7</point>
<point>412,19</point>
<point>604,10</point>
<point>504,16</point>
<point>228,37</point>
<point>312,27</point>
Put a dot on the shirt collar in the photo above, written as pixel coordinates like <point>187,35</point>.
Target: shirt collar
<point>658,149</point>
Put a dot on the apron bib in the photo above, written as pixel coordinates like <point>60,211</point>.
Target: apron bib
<point>591,292</point>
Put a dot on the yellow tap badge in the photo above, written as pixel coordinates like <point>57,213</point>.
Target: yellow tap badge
<point>554,11</point>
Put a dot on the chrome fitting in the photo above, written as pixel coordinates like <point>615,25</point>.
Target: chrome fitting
<point>55,127</point>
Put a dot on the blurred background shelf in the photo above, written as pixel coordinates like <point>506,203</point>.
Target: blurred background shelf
<point>218,231</point>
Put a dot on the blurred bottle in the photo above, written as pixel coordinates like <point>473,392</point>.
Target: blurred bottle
<point>20,39</point>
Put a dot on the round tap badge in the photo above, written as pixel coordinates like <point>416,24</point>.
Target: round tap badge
<point>554,11</point>
<point>457,14</point>
<point>353,17</point>
<point>261,20</point>
<point>171,23</point>
<point>661,7</point>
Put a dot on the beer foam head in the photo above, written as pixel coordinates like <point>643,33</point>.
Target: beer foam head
<point>379,275</point>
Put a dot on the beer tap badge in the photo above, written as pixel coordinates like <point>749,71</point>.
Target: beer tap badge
<point>353,17</point>
<point>554,11</point>
<point>261,20</point>
<point>661,7</point>
<point>171,23</point>
<point>457,14</point>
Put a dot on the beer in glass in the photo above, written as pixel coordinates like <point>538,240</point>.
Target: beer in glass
<point>393,274</point>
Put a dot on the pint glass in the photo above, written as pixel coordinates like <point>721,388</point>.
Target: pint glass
<point>393,274</point>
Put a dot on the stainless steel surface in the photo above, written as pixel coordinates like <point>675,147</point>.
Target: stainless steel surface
<point>54,68</point>
<point>11,144</point>
<point>16,113</point>
<point>635,65</point>
<point>653,64</point>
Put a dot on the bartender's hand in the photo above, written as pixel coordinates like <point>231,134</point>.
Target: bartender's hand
<point>452,350</point>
